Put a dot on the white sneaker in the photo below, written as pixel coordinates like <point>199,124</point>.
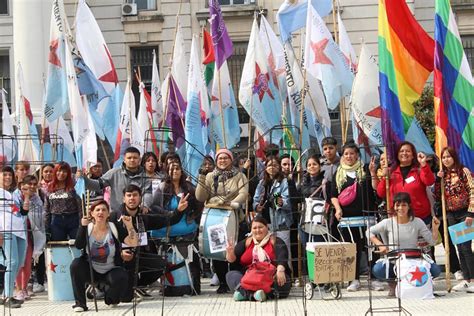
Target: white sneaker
<point>354,286</point>
<point>20,295</point>
<point>215,280</point>
<point>458,275</point>
<point>461,287</point>
<point>38,288</point>
<point>470,288</point>
<point>377,285</point>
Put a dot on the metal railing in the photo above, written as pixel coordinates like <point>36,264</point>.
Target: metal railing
<point>469,50</point>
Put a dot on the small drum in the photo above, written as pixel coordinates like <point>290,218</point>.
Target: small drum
<point>409,253</point>
<point>357,221</point>
<point>59,256</point>
<point>216,227</point>
<point>312,221</point>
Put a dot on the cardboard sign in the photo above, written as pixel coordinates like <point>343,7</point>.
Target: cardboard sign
<point>461,233</point>
<point>334,262</point>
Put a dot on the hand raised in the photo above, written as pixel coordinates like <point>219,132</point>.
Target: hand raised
<point>183,203</point>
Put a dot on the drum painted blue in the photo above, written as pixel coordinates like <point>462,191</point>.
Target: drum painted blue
<point>214,216</point>
<point>357,221</point>
<point>58,261</point>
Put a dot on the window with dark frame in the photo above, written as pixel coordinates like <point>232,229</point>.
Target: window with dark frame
<point>141,62</point>
<point>144,4</point>
<point>233,2</point>
<point>4,7</point>
<point>5,79</point>
<point>468,44</point>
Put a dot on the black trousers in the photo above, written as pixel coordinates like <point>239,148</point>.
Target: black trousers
<point>114,281</point>
<point>40,268</point>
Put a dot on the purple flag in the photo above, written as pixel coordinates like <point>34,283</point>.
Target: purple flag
<point>220,39</point>
<point>176,111</point>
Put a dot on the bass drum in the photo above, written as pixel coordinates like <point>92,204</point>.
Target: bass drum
<point>217,226</point>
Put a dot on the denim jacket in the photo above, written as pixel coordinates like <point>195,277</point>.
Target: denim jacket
<point>280,218</point>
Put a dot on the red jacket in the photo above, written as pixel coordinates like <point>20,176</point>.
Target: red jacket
<point>415,184</point>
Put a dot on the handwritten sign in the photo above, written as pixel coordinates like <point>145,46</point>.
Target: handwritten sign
<point>334,262</point>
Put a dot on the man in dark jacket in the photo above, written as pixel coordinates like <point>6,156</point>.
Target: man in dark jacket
<point>150,265</point>
<point>118,178</point>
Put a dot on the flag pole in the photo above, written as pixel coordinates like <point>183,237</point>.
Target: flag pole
<point>446,233</point>
<point>342,106</point>
<point>170,65</point>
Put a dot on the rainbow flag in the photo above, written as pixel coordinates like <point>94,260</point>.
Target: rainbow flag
<point>405,63</point>
<point>454,88</point>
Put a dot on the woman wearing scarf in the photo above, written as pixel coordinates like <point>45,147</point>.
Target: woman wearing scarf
<point>351,169</point>
<point>260,246</point>
<point>225,186</point>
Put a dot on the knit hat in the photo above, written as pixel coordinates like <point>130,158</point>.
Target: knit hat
<point>224,151</point>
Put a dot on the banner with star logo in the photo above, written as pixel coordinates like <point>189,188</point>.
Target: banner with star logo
<point>324,60</point>
<point>257,93</point>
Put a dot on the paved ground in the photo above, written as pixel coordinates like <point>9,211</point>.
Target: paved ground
<point>211,304</point>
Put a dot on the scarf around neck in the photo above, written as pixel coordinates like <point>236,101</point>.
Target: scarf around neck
<point>343,169</point>
<point>259,254</point>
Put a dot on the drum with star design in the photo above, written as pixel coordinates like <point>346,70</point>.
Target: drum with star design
<point>59,256</point>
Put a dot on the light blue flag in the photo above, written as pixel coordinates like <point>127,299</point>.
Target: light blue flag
<point>417,137</point>
<point>229,108</point>
<point>292,16</point>
<point>195,130</point>
<point>111,116</point>
<point>88,84</point>
<point>56,97</point>
<point>80,186</point>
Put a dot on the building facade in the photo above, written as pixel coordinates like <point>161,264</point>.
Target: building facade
<point>134,28</point>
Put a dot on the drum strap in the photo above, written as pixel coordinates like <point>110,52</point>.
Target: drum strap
<point>112,227</point>
<point>322,186</point>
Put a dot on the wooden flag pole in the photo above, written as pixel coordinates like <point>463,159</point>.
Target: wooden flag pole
<point>446,233</point>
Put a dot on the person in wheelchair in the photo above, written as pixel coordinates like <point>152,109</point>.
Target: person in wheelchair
<point>150,264</point>
<point>401,232</point>
<point>103,253</point>
<point>261,246</point>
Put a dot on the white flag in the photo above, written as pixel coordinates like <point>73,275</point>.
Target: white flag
<point>79,121</point>
<point>365,101</point>
<point>94,51</point>
<point>89,146</point>
<point>28,144</point>
<point>179,68</point>
<point>131,134</point>
<point>7,144</point>
<point>345,44</point>
<point>156,97</point>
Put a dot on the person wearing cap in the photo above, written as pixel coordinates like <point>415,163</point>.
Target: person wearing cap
<point>224,186</point>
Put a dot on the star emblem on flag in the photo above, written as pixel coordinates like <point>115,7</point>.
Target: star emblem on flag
<point>261,84</point>
<point>418,275</point>
<point>52,266</point>
<point>319,56</point>
<point>376,112</point>
<point>53,54</point>
<point>110,76</point>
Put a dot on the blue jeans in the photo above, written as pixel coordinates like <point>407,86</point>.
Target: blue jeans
<point>14,249</point>
<point>379,271</point>
<point>64,227</point>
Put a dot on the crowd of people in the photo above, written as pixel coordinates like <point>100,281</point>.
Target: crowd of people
<point>148,201</point>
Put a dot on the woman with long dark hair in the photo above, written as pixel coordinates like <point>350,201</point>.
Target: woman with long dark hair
<point>62,205</point>
<point>272,200</point>
<point>176,193</point>
<point>459,197</point>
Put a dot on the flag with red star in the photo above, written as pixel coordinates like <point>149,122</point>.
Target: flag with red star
<point>257,93</point>
<point>56,97</point>
<point>324,60</point>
